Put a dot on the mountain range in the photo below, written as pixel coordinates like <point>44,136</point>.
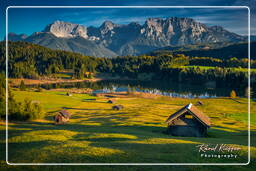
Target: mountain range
<point>112,39</point>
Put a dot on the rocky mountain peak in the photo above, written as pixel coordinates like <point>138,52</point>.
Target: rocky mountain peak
<point>170,25</point>
<point>16,37</point>
<point>66,29</point>
<point>130,39</point>
<point>153,20</point>
<point>107,26</point>
<point>134,24</point>
<point>217,28</point>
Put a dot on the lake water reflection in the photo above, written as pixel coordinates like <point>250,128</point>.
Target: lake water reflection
<point>154,87</point>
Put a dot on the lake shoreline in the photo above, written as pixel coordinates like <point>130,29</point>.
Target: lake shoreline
<point>17,81</point>
<point>107,84</point>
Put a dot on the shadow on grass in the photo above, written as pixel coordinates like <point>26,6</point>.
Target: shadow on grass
<point>238,101</point>
<point>84,109</point>
<point>142,134</point>
<point>140,151</point>
<point>93,101</point>
<point>170,104</point>
<point>112,127</point>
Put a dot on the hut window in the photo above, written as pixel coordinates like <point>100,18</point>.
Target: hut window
<point>188,116</point>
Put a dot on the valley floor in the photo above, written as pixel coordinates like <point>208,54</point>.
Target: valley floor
<point>64,77</point>
<point>98,134</point>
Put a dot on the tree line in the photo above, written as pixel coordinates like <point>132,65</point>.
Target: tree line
<point>169,68</point>
<point>32,61</point>
<point>18,110</point>
<point>221,50</point>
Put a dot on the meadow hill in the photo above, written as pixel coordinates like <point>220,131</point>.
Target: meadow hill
<point>137,93</point>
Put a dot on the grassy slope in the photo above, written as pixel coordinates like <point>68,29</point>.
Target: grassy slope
<point>210,67</point>
<point>98,134</point>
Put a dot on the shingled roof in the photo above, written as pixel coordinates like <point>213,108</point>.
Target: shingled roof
<point>65,113</point>
<point>193,111</point>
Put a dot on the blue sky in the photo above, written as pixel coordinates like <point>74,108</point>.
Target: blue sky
<point>24,20</point>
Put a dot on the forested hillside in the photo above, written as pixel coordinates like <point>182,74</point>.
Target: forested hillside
<point>239,50</point>
<point>32,61</point>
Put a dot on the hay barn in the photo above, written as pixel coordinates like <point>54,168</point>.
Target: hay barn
<point>111,101</point>
<point>189,121</point>
<point>117,107</point>
<point>62,117</point>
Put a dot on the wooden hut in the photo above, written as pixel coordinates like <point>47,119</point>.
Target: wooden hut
<point>199,103</point>
<point>117,107</point>
<point>111,101</point>
<point>69,94</point>
<point>62,117</point>
<point>189,122</point>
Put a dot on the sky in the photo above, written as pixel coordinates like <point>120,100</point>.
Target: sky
<point>30,20</point>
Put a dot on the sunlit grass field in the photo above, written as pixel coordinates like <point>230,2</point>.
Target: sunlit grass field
<point>135,134</point>
<point>210,67</point>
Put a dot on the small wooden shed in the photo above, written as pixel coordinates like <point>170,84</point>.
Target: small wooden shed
<point>62,117</point>
<point>111,101</point>
<point>69,94</point>
<point>199,103</point>
<point>189,121</point>
<point>117,107</point>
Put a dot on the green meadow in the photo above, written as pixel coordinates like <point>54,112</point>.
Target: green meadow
<point>135,134</point>
<point>253,70</point>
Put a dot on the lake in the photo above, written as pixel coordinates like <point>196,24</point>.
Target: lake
<point>154,87</point>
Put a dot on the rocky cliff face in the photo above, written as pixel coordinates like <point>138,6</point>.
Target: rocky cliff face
<point>67,30</point>
<point>183,31</point>
<point>134,39</point>
<point>16,37</point>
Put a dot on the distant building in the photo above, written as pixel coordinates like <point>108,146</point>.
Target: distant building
<point>117,107</point>
<point>69,94</point>
<point>188,122</point>
<point>62,117</point>
<point>111,101</point>
<point>199,103</point>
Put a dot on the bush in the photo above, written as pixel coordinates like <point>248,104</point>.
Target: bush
<point>248,92</point>
<point>32,110</point>
<point>233,94</point>
<point>14,108</point>
<point>2,105</point>
<point>2,98</point>
<point>15,111</point>
<point>22,86</point>
<point>90,76</point>
<point>133,90</point>
<point>28,110</point>
<point>39,89</point>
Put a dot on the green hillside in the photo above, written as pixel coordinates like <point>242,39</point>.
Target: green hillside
<point>220,51</point>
